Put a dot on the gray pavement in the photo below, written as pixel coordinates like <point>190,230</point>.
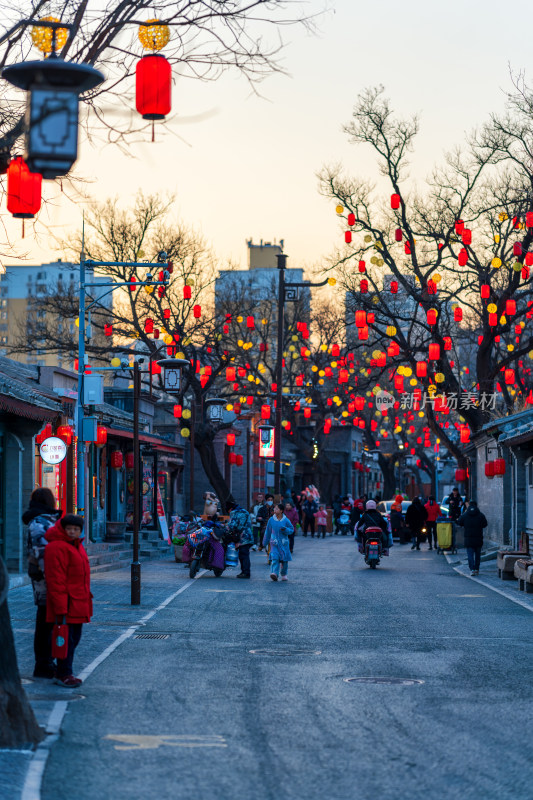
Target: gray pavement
<point>199,715</point>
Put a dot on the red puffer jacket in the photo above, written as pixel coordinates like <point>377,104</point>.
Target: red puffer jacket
<point>433,511</point>
<point>68,577</point>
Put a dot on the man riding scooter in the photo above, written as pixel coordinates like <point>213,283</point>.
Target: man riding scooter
<point>372,519</point>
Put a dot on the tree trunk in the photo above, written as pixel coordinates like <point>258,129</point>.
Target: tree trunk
<point>205,445</point>
<point>388,470</point>
<point>18,725</point>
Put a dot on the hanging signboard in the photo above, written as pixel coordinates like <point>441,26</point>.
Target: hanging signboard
<point>162,517</point>
<point>266,441</point>
<point>53,450</point>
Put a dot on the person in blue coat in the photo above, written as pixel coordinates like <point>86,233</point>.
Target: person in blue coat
<point>277,533</point>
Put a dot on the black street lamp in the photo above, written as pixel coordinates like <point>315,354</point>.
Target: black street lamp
<point>52,105</point>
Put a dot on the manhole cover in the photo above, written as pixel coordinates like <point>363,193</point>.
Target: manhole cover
<point>52,698</point>
<point>276,651</point>
<point>388,681</point>
<point>152,636</point>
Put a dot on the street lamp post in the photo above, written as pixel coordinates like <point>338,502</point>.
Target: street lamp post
<point>286,291</point>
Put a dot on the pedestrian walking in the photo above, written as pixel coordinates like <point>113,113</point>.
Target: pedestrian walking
<point>256,523</point>
<point>309,508</point>
<point>68,583</point>
<point>473,521</point>
<point>321,521</point>
<point>455,504</point>
<point>276,535</point>
<point>40,515</point>
<point>396,517</point>
<point>240,524</point>
<point>292,515</point>
<point>415,519</point>
<point>433,512</point>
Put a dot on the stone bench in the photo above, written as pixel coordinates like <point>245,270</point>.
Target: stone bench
<point>506,560</point>
<point>523,572</point>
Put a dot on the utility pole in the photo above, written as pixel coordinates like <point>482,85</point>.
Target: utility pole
<point>282,264</point>
<point>136,564</point>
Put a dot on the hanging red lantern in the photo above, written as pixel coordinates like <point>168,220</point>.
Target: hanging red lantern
<point>362,266</point>
<point>347,237</point>
<point>65,432</point>
<point>398,234</point>
<point>116,459</point>
<point>447,342</point>
<point>510,307</point>
<point>407,249</point>
<point>108,330</point>
<point>148,325</point>
<point>363,286</point>
<point>335,351</point>
<point>517,249</point>
<point>230,374</point>
<point>232,458</point>
<point>529,219</point>
<point>307,413</point>
<point>395,201</point>
<point>351,219</point>
<point>130,460</point>
<point>360,318</point>
<point>197,311</point>
<point>363,333</point>
<point>133,283</point>
<point>265,412</point>
<point>431,316</point>
<point>467,236</point>
<point>458,314</point>
<point>23,190</point>
<point>250,323</point>
<point>178,411</point>
<point>489,469</point>
<point>238,461</point>
<point>462,258</point>
<point>230,439</point>
<point>434,352</point>
<point>186,292</point>
<point>460,475</point>
<point>509,377</point>
<point>485,291</point>
<point>493,320</point>
<point>153,84</point>
<point>464,434</point>
<point>101,436</point>
<point>421,369</point>
<point>381,360</point>
<point>394,287</point>
<point>459,226</point>
<point>499,466</point>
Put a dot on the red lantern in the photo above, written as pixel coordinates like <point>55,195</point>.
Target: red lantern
<point>65,432</point>
<point>398,234</point>
<point>493,320</point>
<point>108,330</point>
<point>363,333</point>
<point>148,325</point>
<point>238,461</point>
<point>307,413</point>
<point>363,286</point>
<point>467,236</point>
<point>485,291</point>
<point>421,369</point>
<point>230,374</point>
<point>351,219</point>
<point>434,352</point>
<point>133,282</point>
<point>197,311</point>
<point>509,377</point>
<point>335,351</point>
<point>166,313</point>
<point>348,237</point>
<point>230,439</point>
<point>178,411</point>
<point>232,458</point>
<point>464,434</point>
<point>529,219</point>
<point>517,249</point>
<point>447,342</point>
<point>265,412</point>
<point>459,226</point>
<point>458,314</point>
<point>381,360</point>
<point>510,307</point>
<point>360,318</point>
<point>186,292</point>
<point>462,258</point>
<point>153,85</point>
<point>101,435</point>
<point>362,266</point>
<point>23,190</point>
<point>460,474</point>
<point>395,201</point>
<point>116,459</point>
<point>394,287</point>
<point>431,316</point>
<point>489,469</point>
<point>250,323</point>
<point>499,466</point>
<point>407,248</point>
<point>130,460</point>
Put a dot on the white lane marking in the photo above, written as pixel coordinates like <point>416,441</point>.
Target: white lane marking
<point>516,600</point>
<point>34,776</point>
<point>141,742</point>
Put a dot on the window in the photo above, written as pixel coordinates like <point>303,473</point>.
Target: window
<point>3,339</point>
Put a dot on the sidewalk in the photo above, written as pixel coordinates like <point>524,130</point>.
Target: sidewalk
<point>488,577</point>
<point>113,615</point>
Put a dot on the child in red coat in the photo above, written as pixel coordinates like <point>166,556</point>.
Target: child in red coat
<point>68,581</point>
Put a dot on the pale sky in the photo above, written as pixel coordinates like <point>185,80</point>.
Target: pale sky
<point>247,167</point>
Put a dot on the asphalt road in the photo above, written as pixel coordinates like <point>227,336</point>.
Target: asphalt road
<point>200,715</point>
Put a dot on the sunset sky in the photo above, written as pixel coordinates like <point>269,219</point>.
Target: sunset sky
<point>246,165</point>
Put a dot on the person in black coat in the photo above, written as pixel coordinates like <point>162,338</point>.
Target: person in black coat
<point>415,519</point>
<point>473,521</point>
<point>455,504</point>
<point>371,518</point>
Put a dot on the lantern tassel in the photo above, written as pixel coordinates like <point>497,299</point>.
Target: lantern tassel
<point>153,131</point>
<point>23,229</point>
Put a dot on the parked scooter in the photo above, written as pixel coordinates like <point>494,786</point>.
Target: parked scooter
<point>344,524</point>
<point>206,548</point>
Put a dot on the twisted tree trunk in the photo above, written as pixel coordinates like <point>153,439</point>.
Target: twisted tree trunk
<point>18,725</point>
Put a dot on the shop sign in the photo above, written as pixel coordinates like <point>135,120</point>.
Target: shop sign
<point>53,450</point>
<point>266,441</point>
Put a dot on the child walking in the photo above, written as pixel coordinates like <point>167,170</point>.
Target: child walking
<point>277,533</point>
<point>321,521</point>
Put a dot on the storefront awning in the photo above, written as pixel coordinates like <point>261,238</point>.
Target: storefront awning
<point>147,438</point>
<point>22,409</point>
